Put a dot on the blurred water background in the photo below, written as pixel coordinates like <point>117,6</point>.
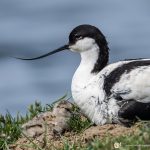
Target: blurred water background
<point>31,28</point>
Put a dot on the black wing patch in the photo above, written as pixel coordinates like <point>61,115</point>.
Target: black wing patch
<point>132,110</point>
<point>116,74</point>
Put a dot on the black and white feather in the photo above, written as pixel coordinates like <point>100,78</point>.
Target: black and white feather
<point>114,93</point>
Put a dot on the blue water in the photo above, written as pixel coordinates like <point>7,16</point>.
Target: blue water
<point>30,28</point>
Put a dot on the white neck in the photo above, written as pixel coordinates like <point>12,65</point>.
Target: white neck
<point>83,73</point>
<point>89,57</point>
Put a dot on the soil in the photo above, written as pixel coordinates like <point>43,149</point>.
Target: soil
<point>36,134</point>
<point>55,142</point>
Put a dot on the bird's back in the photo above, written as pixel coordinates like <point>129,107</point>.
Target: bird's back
<point>130,80</point>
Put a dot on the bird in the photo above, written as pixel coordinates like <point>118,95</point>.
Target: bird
<point>116,93</point>
<point>56,121</point>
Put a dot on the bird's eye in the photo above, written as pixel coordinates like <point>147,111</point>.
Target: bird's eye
<point>78,37</point>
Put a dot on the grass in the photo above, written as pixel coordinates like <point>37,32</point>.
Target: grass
<point>10,127</point>
<point>78,122</point>
<point>140,141</point>
<point>10,132</point>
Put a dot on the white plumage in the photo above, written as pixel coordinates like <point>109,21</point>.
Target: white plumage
<point>135,85</point>
<point>89,94</point>
<point>114,93</point>
<point>88,88</point>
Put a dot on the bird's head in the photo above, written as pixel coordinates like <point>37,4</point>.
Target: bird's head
<point>81,38</point>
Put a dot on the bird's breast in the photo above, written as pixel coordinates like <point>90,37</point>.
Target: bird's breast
<point>88,95</point>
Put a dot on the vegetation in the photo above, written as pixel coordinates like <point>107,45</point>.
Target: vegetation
<point>78,123</point>
<point>10,131</point>
<point>140,141</point>
<point>10,126</point>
